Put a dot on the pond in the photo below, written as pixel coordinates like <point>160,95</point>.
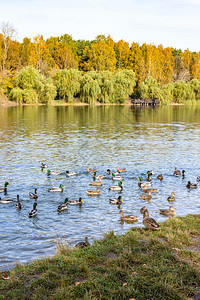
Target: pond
<point>103,137</point>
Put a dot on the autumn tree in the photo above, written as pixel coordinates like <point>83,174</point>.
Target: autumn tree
<point>8,33</point>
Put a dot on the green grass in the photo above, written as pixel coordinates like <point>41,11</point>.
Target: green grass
<point>138,265</point>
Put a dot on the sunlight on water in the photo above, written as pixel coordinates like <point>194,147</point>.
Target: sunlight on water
<point>72,138</point>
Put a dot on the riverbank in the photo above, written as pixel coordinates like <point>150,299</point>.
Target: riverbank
<point>140,264</point>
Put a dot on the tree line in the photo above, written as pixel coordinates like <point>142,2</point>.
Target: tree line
<point>38,70</point>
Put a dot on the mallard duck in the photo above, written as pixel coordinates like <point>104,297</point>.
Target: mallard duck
<point>18,203</point>
<point>190,185</point>
<point>33,195</point>
<point>146,197</point>
<point>6,200</point>
<point>99,177</point>
<point>33,212</point>
<point>118,187</point>
<point>49,172</point>
<point>121,170</point>
<point>115,177</point>
<point>143,184</point>
<point>117,201</point>
<point>57,189</point>
<point>172,197</point>
<point>96,183</point>
<point>150,173</point>
<point>148,177</point>
<point>183,173</point>
<point>111,173</point>
<point>147,190</point>
<point>128,218</point>
<point>73,173</point>
<point>91,171</point>
<point>75,202</point>
<point>94,192</point>
<point>198,178</point>
<point>177,172</point>
<point>168,212</point>
<point>83,244</point>
<point>43,166</point>
<point>160,177</point>
<point>148,222</point>
<point>4,189</point>
<point>63,206</point>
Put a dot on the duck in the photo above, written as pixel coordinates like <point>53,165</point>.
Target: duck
<point>198,178</point>
<point>121,170</point>
<point>118,187</point>
<point>63,206</point>
<point>150,173</point>
<point>43,166</point>
<point>91,171</point>
<point>6,200</point>
<point>152,190</point>
<point>99,177</point>
<point>73,173</point>
<point>4,189</point>
<point>84,244</point>
<point>75,202</point>
<point>160,177</point>
<point>177,172</point>
<point>96,183</point>
<point>33,212</point>
<point>148,222</point>
<point>172,197</point>
<point>18,203</point>
<point>117,201</point>
<point>117,177</point>
<point>33,195</point>
<point>57,189</point>
<point>49,172</point>
<point>128,218</point>
<point>112,173</point>
<point>168,212</point>
<point>146,197</point>
<point>94,192</point>
<point>190,185</point>
<point>183,173</point>
<point>143,184</point>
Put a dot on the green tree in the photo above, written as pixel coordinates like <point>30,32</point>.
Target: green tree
<point>123,84</point>
<point>89,89</point>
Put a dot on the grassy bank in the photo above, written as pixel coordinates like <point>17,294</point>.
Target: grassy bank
<point>138,265</point>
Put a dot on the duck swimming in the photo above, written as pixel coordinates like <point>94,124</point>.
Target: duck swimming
<point>57,189</point>
<point>172,197</point>
<point>111,173</point>
<point>143,184</point>
<point>148,222</point>
<point>146,197</point>
<point>33,212</point>
<point>6,200</point>
<point>91,171</point>
<point>63,206</point>
<point>94,192</point>
<point>75,202</point>
<point>4,189</point>
<point>43,166</point>
<point>96,183</point>
<point>33,195</point>
<point>121,170</point>
<point>117,201</point>
<point>117,177</point>
<point>160,177</point>
<point>49,172</point>
<point>177,172</point>
<point>168,212</point>
<point>190,185</point>
<point>128,218</point>
<point>84,244</point>
<point>73,173</point>
<point>151,190</point>
<point>18,204</point>
<point>118,187</point>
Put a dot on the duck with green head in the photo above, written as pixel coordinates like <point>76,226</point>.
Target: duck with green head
<point>143,184</point>
<point>117,201</point>
<point>118,187</point>
<point>33,195</point>
<point>75,202</point>
<point>33,212</point>
<point>57,189</point>
<point>4,189</point>
<point>63,206</point>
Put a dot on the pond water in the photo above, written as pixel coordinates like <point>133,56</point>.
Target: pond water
<point>73,138</point>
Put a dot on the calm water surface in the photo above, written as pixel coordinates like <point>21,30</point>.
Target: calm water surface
<point>72,138</point>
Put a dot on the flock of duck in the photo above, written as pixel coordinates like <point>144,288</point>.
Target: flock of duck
<point>97,182</point>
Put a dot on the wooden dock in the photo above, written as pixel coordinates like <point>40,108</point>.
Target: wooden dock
<point>145,102</point>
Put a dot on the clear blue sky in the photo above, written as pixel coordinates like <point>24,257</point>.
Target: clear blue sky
<point>170,23</point>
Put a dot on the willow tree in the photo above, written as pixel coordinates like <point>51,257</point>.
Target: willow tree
<point>183,92</point>
<point>67,83</point>
<point>195,86</point>
<point>123,84</point>
<point>89,89</point>
<point>151,89</point>
<point>32,87</point>
<point>105,81</point>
